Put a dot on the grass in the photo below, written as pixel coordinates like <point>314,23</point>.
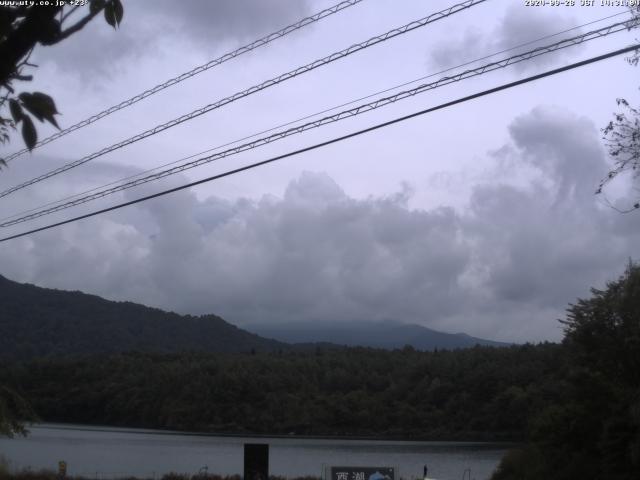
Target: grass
<point>5,474</point>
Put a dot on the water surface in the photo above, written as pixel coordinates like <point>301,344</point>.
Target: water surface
<point>103,452</point>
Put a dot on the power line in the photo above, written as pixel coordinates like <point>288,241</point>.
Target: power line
<point>306,117</point>
<point>483,93</point>
<point>256,88</point>
<point>381,102</point>
<point>191,73</point>
<point>333,118</point>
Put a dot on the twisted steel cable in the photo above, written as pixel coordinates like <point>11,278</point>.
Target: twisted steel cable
<point>308,116</point>
<point>331,141</point>
<point>191,73</point>
<point>256,88</point>
<point>489,67</point>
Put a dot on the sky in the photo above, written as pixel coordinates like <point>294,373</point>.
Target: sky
<point>480,218</point>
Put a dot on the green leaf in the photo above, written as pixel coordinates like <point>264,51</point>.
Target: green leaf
<point>113,13</point>
<point>29,133</point>
<point>47,101</point>
<point>49,32</point>
<point>110,14</point>
<point>29,104</point>
<point>41,106</point>
<point>95,6</point>
<point>118,9</point>
<point>16,110</point>
<point>7,17</point>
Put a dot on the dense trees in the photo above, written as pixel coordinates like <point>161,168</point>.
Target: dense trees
<point>477,393</point>
<point>591,430</point>
<point>14,411</point>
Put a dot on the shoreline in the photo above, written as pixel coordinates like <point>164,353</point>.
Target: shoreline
<point>372,438</point>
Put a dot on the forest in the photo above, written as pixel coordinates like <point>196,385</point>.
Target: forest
<point>478,393</point>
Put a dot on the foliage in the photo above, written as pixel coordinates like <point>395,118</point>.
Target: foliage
<point>622,136</point>
<point>22,28</point>
<point>14,411</point>
<point>592,429</point>
<point>482,393</point>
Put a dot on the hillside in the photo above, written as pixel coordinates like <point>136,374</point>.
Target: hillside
<point>41,322</point>
<point>37,322</point>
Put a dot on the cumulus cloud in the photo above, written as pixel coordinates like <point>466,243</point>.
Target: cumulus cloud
<point>519,26</point>
<point>505,267</point>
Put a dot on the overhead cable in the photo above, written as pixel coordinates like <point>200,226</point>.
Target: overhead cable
<point>256,88</point>
<point>483,93</point>
<point>195,71</point>
<point>307,117</point>
<point>360,109</point>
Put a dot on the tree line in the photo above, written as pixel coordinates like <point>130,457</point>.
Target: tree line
<point>478,393</point>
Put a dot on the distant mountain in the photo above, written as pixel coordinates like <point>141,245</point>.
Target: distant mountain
<point>41,322</point>
<point>385,334</point>
<point>36,322</point>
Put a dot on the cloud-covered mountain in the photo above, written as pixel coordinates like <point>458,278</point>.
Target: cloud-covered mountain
<point>386,334</point>
<point>41,322</point>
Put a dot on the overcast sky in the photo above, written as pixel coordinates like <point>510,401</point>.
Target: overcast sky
<point>480,218</point>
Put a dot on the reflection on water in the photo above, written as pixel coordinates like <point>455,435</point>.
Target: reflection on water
<point>112,452</point>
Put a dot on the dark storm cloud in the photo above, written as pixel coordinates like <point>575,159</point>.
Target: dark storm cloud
<point>543,245</point>
<point>518,26</point>
<point>505,267</point>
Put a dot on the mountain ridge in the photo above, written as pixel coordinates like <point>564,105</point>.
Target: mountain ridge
<point>43,322</point>
<point>387,334</point>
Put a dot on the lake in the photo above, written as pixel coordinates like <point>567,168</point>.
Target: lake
<point>103,452</point>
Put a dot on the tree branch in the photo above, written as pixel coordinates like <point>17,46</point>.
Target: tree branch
<point>69,13</point>
<point>79,25</point>
<point>18,44</point>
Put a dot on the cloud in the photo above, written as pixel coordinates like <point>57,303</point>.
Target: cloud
<point>314,254</point>
<point>565,148</point>
<point>505,267</point>
<point>519,26</point>
<point>539,247</point>
<point>151,30</point>
<point>223,20</point>
<point>456,52</point>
